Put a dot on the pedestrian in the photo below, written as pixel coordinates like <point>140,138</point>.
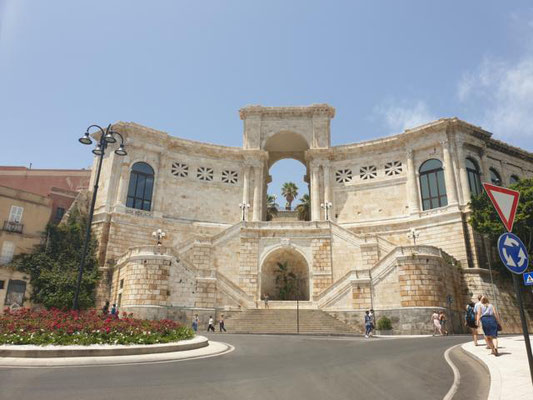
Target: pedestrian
<point>114,310</point>
<point>221,324</point>
<point>442,320</point>
<point>195,320</point>
<point>490,320</point>
<point>266,300</point>
<point>436,323</point>
<point>470,320</point>
<point>368,323</point>
<point>372,322</point>
<point>211,326</point>
<point>477,306</point>
<point>105,308</point>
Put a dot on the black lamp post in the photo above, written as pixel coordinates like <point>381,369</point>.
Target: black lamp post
<point>108,136</point>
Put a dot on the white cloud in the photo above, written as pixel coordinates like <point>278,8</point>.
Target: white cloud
<point>405,114</point>
<point>505,91</point>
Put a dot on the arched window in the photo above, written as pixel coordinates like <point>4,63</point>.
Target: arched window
<point>495,177</point>
<point>513,179</point>
<point>474,181</point>
<point>432,185</point>
<point>141,187</point>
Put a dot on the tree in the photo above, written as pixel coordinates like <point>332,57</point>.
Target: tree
<point>485,220</point>
<point>53,265</point>
<point>289,190</point>
<point>286,282</point>
<point>271,207</point>
<point>304,208</point>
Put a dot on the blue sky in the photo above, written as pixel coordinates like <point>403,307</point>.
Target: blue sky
<point>187,67</point>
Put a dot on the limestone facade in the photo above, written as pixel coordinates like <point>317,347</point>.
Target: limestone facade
<point>361,257</point>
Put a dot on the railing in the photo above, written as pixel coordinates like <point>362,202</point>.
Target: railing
<point>14,227</point>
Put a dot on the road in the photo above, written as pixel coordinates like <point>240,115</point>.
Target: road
<point>269,367</point>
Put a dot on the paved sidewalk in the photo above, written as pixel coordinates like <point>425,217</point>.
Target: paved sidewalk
<point>509,372</point>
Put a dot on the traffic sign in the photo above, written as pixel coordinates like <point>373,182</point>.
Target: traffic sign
<point>528,278</point>
<point>513,253</point>
<point>505,202</point>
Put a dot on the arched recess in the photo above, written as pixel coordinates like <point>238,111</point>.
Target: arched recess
<point>291,284</point>
<point>281,146</point>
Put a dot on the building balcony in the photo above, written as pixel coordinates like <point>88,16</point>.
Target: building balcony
<point>14,227</point>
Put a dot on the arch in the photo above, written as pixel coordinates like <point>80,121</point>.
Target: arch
<point>141,186</point>
<point>432,184</point>
<point>513,179</point>
<point>474,179</point>
<point>495,177</point>
<point>292,284</point>
<point>286,144</point>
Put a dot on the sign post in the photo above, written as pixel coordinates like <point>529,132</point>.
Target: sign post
<point>512,251</point>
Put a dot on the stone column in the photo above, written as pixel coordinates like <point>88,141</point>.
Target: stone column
<point>451,188</point>
<point>485,177</point>
<point>123,183</point>
<point>412,187</point>
<point>258,189</point>
<point>315,193</point>
<point>462,172</point>
<point>246,188</point>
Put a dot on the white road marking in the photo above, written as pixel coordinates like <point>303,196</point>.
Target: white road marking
<point>456,374</point>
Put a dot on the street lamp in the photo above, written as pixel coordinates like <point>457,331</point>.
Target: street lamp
<point>326,206</point>
<point>159,235</point>
<point>244,206</point>
<point>413,234</point>
<point>107,136</point>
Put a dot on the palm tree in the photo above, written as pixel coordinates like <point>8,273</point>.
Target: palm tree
<point>271,207</point>
<point>304,208</point>
<point>289,190</point>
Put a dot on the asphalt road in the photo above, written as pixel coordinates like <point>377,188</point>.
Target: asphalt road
<point>269,367</point>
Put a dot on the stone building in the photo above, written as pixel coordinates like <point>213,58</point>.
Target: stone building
<point>385,194</point>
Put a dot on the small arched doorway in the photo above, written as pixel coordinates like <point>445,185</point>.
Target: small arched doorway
<point>285,275</point>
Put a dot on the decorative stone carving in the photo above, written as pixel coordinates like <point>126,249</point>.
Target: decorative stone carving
<point>205,174</point>
<point>179,169</point>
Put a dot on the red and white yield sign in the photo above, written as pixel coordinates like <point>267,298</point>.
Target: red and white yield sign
<point>505,202</point>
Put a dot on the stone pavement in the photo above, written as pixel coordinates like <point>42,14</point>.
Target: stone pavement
<point>509,372</point>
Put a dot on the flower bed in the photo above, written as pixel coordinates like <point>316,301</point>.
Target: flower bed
<point>24,326</point>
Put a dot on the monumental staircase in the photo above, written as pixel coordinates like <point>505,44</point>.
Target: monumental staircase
<point>285,322</point>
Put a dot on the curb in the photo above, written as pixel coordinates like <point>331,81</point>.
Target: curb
<point>212,350</point>
<point>495,391</point>
<point>34,351</point>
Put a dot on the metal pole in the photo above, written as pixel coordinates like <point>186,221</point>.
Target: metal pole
<point>488,255</point>
<point>524,325</point>
<point>75,305</point>
<point>298,307</point>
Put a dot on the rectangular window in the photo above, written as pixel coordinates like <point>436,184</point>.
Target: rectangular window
<point>15,292</point>
<point>119,300</point>
<point>121,283</point>
<point>2,284</point>
<point>60,211</point>
<point>8,250</point>
<point>15,215</point>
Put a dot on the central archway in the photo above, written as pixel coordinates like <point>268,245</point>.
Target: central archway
<point>285,275</point>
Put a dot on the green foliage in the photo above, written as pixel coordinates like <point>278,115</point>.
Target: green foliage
<point>304,208</point>
<point>286,282</point>
<point>384,324</point>
<point>484,218</point>
<point>53,265</point>
<point>271,207</point>
<point>289,190</point>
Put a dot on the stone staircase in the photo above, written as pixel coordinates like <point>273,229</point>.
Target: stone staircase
<point>284,321</point>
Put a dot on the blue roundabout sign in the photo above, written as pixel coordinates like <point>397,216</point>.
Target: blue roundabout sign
<point>513,253</point>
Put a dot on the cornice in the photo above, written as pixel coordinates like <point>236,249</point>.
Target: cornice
<point>293,111</point>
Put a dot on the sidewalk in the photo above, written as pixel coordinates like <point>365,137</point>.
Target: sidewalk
<point>509,373</point>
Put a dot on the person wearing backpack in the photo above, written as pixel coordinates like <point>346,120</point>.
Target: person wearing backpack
<point>470,320</point>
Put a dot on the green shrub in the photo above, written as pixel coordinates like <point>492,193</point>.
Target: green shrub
<point>384,324</point>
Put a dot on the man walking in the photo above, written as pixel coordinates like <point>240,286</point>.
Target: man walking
<point>221,323</point>
<point>211,326</point>
<point>368,323</point>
